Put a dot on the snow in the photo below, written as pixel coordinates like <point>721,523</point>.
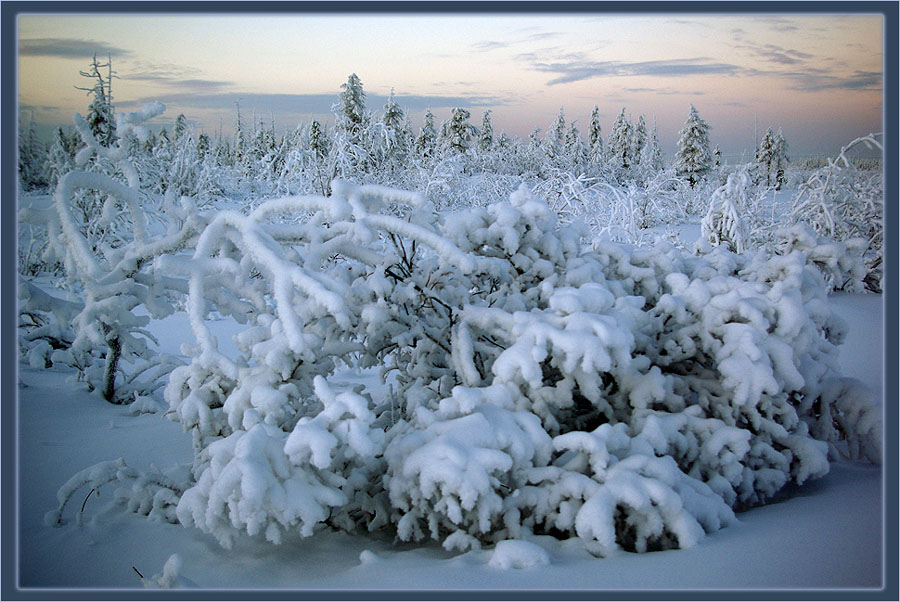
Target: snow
<point>631,398</point>
<point>826,533</point>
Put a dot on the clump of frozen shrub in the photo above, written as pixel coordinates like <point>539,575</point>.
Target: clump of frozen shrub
<point>631,397</point>
<point>841,263</point>
<point>111,273</point>
<point>151,492</point>
<point>724,223</point>
<point>844,201</point>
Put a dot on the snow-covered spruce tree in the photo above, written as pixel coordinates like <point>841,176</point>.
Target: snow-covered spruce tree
<point>395,136</point>
<point>692,160</point>
<point>31,156</point>
<point>352,105</point>
<point>724,223</point>
<point>653,156</point>
<point>486,136</point>
<point>639,139</point>
<point>114,279</point>
<point>554,143</point>
<point>781,159</point>
<point>618,146</point>
<point>59,160</point>
<point>457,133</point>
<point>764,160</point>
<point>318,140</point>
<point>649,163</point>
<point>426,141</point>
<point>595,138</point>
<point>576,153</point>
<point>186,174</point>
<point>843,202</point>
<point>101,118</point>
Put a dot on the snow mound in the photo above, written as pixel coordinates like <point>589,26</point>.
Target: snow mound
<point>517,554</point>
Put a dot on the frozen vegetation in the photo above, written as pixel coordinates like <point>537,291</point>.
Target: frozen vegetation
<point>451,335</point>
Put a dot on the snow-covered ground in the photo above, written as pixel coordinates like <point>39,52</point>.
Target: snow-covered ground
<point>826,534</point>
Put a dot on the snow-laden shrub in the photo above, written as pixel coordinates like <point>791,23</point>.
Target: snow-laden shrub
<point>844,201</point>
<point>111,273</point>
<point>151,493</point>
<point>631,397</point>
<point>44,321</point>
<point>841,263</point>
<point>262,479</point>
<point>616,212</point>
<point>724,223</point>
<point>274,269</point>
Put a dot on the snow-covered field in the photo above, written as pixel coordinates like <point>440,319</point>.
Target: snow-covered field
<point>542,377</point>
<point>827,533</point>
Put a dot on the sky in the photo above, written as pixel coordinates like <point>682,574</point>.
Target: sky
<point>817,77</point>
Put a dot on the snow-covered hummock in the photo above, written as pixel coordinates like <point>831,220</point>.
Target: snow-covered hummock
<point>517,554</point>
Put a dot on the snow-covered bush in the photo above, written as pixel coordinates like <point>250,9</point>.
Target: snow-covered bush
<point>841,263</point>
<point>111,273</point>
<point>724,222</point>
<point>622,213</point>
<point>151,493</point>
<point>631,397</point>
<point>844,201</point>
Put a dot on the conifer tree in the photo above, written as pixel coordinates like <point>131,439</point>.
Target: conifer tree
<point>595,137</point>
<point>693,157</point>
<point>765,159</point>
<point>203,145</point>
<point>239,140</point>
<point>59,159</point>
<point>656,161</point>
<point>457,132</point>
<point>427,139</point>
<point>555,141</point>
<point>639,139</point>
<point>486,138</point>
<point>100,117</point>
<point>181,125</point>
<point>318,141</point>
<point>393,120</point>
<point>575,150</point>
<point>351,108</point>
<point>781,159</point>
<point>619,144</point>
<point>32,155</point>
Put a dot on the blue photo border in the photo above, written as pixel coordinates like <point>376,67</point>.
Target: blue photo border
<point>9,589</point>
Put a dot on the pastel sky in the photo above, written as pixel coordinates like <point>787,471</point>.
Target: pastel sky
<point>818,77</point>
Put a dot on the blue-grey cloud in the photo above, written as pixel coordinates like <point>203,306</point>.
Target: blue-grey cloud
<point>315,104</point>
<point>659,91</point>
<point>531,38</point>
<point>816,82</point>
<point>25,108</point>
<point>776,54</point>
<point>192,84</point>
<point>578,70</point>
<point>780,24</point>
<point>490,45</point>
<point>69,48</point>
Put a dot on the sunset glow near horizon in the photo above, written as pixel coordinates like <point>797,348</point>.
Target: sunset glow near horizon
<point>818,77</point>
